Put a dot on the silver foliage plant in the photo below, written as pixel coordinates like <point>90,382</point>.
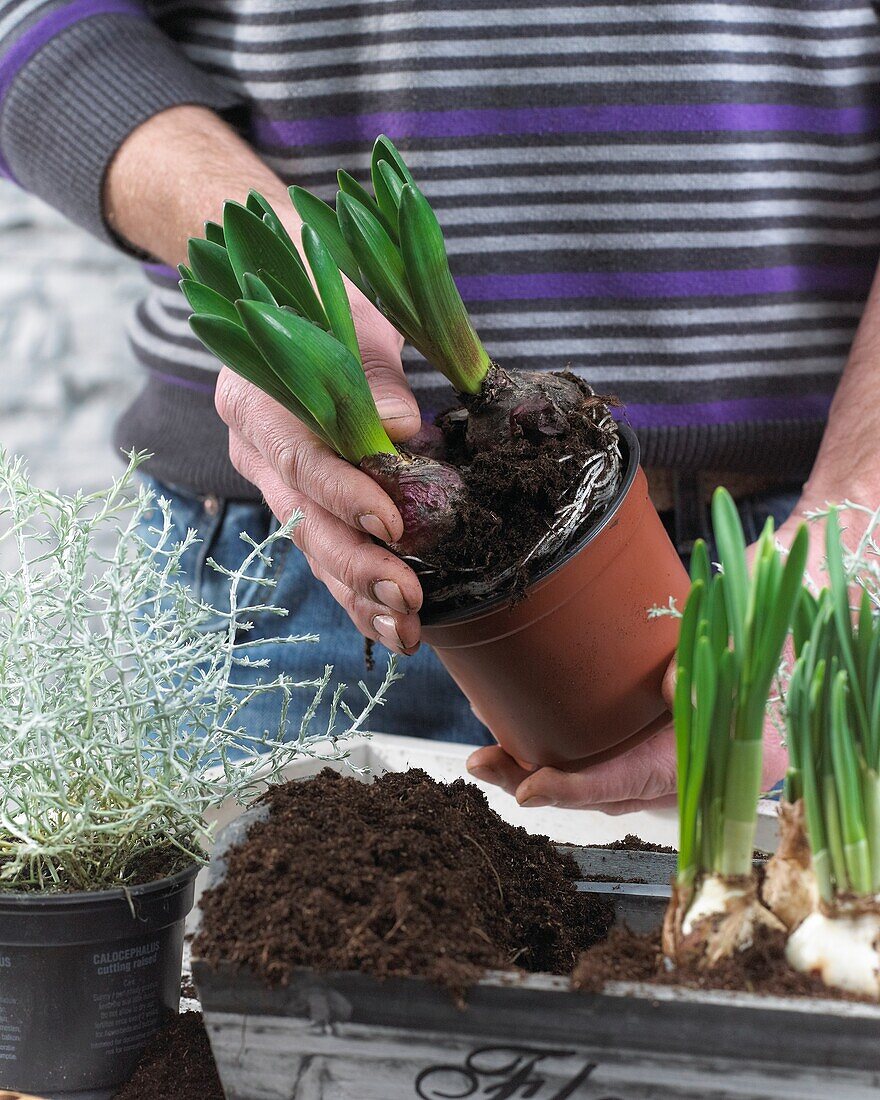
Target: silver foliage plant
<point>120,708</point>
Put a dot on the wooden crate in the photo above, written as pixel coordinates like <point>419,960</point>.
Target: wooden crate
<point>346,1036</point>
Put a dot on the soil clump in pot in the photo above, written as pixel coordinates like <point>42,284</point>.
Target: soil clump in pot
<point>627,956</point>
<point>516,481</point>
<point>405,877</point>
<point>177,1065</point>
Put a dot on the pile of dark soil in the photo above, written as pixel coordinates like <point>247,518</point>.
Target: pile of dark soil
<point>404,876</point>
<point>627,956</point>
<point>177,1065</point>
<point>516,483</point>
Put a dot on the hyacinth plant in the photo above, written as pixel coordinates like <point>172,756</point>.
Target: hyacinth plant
<point>391,246</point>
<point>287,329</point>
<point>733,629</point>
<point>122,702</point>
<point>824,880</point>
<point>255,308</point>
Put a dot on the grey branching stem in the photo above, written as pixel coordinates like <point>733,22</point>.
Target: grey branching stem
<point>121,710</point>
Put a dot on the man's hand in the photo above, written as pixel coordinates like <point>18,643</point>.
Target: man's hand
<point>171,175</point>
<point>342,506</point>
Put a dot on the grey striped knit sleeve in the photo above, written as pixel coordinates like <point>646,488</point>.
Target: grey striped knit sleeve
<point>75,80</point>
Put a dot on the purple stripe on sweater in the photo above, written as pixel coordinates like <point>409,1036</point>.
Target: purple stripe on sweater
<point>162,271</point>
<point>666,284</point>
<point>647,118</point>
<point>45,29</point>
<point>182,383</point>
<point>808,406</point>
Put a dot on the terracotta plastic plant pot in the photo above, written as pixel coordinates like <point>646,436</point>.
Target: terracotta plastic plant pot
<point>572,673</point>
<point>86,980</point>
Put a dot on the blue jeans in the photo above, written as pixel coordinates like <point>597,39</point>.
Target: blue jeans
<point>427,703</point>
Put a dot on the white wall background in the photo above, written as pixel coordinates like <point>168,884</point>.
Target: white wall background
<point>65,370</point>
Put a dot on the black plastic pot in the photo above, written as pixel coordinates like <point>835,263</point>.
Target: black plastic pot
<point>85,981</point>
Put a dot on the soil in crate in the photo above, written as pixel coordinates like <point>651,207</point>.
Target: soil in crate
<point>626,956</point>
<point>177,1065</point>
<point>404,876</point>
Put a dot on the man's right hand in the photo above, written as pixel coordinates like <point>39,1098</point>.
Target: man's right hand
<point>173,173</point>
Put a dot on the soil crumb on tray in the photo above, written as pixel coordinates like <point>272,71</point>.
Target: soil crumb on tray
<point>177,1065</point>
<point>403,876</point>
<point>633,843</point>
<point>627,956</point>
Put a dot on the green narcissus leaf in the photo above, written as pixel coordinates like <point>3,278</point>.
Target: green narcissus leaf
<point>322,218</point>
<point>204,300</point>
<point>323,374</point>
<point>209,264</point>
<point>445,320</point>
<point>232,346</point>
<point>380,262</point>
<point>348,185</point>
<point>384,149</point>
<point>388,187</point>
<point>331,290</point>
<point>253,247</point>
<point>214,233</point>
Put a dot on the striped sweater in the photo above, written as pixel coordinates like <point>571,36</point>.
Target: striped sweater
<point>679,201</point>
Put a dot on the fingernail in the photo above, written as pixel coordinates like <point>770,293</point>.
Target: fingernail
<point>386,628</point>
<point>536,801</point>
<point>392,408</point>
<point>487,775</point>
<point>388,593</point>
<point>375,527</point>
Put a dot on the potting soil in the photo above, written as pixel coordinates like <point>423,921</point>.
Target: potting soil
<point>627,956</point>
<point>404,876</point>
<point>177,1065</point>
<point>515,486</point>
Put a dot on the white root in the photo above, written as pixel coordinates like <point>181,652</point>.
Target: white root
<point>841,947</point>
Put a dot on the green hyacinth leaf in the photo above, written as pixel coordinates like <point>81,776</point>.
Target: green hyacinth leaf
<point>324,376</point>
<point>331,290</point>
<point>384,149</point>
<point>388,187</point>
<point>204,300</point>
<point>186,273</point>
<point>348,185</point>
<point>445,321</point>
<point>232,346</point>
<point>255,290</point>
<point>209,264</point>
<point>214,233</point>
<point>380,261</point>
<point>264,210</point>
<point>322,218</point>
<point>253,247</point>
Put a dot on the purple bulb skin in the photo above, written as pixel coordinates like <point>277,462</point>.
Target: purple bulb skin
<point>429,442</point>
<point>428,494</point>
<point>523,404</point>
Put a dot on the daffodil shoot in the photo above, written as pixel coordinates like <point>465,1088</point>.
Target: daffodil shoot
<point>733,630</point>
<point>503,481</point>
<point>824,881</point>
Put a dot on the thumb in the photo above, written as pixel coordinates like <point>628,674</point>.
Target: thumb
<point>380,345</point>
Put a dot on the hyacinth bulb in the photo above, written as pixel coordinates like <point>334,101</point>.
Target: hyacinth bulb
<point>428,494</point>
<point>524,404</point>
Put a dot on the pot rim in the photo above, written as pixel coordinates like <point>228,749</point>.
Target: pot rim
<point>75,898</point>
<point>474,610</point>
